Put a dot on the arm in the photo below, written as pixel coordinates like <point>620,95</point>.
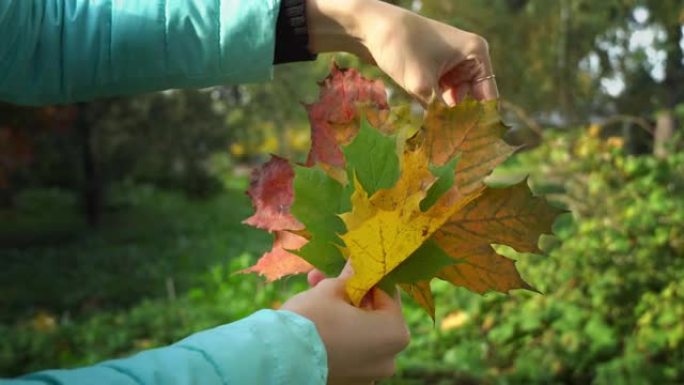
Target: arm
<point>61,51</point>
<point>269,347</point>
<point>317,337</point>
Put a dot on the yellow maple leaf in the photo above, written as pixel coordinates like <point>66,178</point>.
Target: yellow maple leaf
<point>385,229</point>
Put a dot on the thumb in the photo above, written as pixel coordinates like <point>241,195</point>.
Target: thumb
<point>385,301</point>
<point>315,276</point>
<point>338,284</point>
<point>347,272</point>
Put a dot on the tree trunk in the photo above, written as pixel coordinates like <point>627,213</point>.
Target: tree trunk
<point>674,69</point>
<point>564,75</point>
<point>664,130</point>
<point>92,187</point>
<point>674,90</point>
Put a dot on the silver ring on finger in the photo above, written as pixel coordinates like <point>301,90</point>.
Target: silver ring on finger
<point>479,80</point>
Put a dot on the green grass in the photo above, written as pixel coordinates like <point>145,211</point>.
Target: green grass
<point>71,295</point>
<point>47,340</point>
<point>53,262</point>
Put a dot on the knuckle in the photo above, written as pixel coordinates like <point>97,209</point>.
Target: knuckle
<point>420,89</point>
<point>479,45</point>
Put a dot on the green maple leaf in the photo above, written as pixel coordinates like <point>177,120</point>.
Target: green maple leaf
<point>372,158</point>
<point>423,264</point>
<point>445,180</point>
<point>319,199</point>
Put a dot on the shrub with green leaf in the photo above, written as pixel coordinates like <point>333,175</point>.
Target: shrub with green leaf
<point>612,307</point>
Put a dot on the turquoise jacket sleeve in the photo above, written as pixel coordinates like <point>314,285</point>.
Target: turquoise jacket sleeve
<point>63,51</point>
<point>269,347</point>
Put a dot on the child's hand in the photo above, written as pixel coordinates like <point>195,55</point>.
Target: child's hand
<point>361,343</point>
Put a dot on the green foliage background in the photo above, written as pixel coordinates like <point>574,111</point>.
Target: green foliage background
<point>168,172</point>
<point>610,312</point>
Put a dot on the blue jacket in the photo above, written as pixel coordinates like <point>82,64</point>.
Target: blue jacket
<point>269,347</point>
<point>62,51</point>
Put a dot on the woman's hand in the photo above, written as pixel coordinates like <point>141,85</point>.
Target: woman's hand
<point>361,343</point>
<point>427,58</point>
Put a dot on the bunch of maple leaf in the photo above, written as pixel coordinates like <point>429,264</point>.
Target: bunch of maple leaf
<point>402,201</point>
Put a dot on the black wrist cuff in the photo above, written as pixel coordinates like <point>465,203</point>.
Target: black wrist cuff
<point>292,33</point>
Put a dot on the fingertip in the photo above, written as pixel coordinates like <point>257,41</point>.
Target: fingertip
<point>314,277</point>
<point>347,271</point>
<point>450,96</point>
<point>455,94</point>
<point>338,284</point>
<point>439,95</point>
<point>424,90</point>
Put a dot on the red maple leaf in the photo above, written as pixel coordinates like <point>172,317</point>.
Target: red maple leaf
<point>279,262</point>
<point>344,96</point>
<point>272,196</point>
<point>333,116</point>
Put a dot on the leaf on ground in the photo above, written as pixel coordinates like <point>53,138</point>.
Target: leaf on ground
<point>280,262</point>
<point>272,195</point>
<point>482,269</point>
<point>344,97</point>
<point>319,199</point>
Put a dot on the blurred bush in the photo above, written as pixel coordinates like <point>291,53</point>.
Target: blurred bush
<point>612,305</point>
<point>52,263</point>
<point>610,313</point>
<point>48,340</point>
